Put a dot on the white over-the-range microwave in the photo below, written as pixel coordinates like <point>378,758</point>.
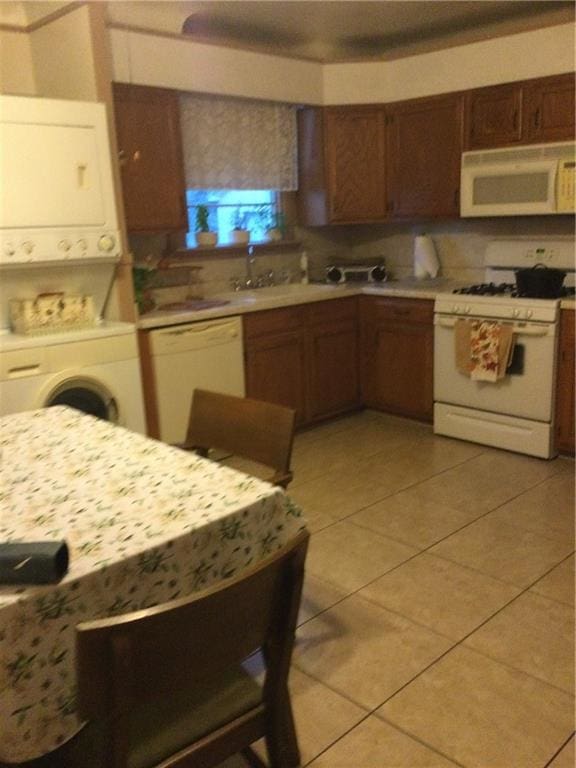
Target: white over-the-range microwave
<point>519,181</point>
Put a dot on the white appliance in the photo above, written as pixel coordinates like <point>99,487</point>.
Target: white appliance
<point>207,355</point>
<point>95,371</point>
<point>517,411</point>
<point>517,181</point>
<point>57,195</point>
<point>59,233</point>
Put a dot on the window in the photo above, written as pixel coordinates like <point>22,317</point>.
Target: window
<point>255,210</point>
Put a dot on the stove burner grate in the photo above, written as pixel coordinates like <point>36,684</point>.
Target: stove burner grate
<point>507,290</point>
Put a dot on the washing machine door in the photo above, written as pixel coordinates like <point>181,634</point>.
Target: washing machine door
<point>84,394</point>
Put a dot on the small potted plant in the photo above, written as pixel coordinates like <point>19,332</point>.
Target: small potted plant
<point>240,233</point>
<point>274,225</point>
<point>205,237</point>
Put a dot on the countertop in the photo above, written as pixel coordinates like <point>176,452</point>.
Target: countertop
<point>241,302</point>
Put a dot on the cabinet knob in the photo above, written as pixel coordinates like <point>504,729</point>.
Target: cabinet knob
<point>136,156</point>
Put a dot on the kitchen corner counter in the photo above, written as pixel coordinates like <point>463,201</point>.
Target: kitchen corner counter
<point>242,302</point>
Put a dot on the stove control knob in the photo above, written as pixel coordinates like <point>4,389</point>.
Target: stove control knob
<point>515,313</point>
<point>27,247</point>
<point>455,308</point>
<point>64,245</point>
<point>106,243</point>
<point>529,313</point>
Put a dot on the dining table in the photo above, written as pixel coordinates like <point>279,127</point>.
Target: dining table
<point>144,522</point>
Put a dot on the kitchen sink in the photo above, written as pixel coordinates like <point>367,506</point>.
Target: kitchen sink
<point>279,291</point>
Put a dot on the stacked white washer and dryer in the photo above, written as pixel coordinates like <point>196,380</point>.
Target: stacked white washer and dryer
<point>59,235</point>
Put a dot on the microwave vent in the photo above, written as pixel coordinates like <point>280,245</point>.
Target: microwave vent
<point>519,154</point>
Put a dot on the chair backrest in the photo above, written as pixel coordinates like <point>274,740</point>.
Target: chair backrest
<point>256,430</point>
<point>141,656</point>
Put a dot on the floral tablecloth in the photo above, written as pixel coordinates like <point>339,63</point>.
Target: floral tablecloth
<point>144,522</point>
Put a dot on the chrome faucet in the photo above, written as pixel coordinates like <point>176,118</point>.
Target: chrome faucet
<point>250,261</point>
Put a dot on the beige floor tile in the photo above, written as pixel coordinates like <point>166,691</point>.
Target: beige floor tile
<point>566,757</point>
<point>559,583</point>
<point>411,519</point>
<point>448,598</point>
<point>532,634</point>
<point>349,557</point>
<point>483,714</point>
<point>321,715</point>
<point>503,551</point>
<point>317,595</point>
<point>547,509</point>
<point>338,494</point>
<point>376,744</point>
<point>486,481</point>
<point>363,651</point>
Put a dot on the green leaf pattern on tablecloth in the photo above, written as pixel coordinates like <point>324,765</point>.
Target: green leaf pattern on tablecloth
<point>145,523</point>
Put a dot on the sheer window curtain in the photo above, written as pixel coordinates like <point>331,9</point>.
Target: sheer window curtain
<point>238,144</point>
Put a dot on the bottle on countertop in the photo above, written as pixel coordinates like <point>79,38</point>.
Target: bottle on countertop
<point>304,268</point>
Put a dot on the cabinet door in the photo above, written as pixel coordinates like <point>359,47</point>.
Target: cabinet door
<point>424,150</point>
<point>332,358</point>
<point>275,370</point>
<point>494,116</point>
<point>565,385</point>
<point>397,342</point>
<point>549,109</point>
<point>354,146</point>
<point>149,142</point>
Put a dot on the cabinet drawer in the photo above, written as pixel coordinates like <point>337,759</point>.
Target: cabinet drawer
<point>420,311</point>
<point>333,311</point>
<point>272,321</point>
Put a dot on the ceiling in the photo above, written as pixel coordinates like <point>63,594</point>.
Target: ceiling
<point>340,30</point>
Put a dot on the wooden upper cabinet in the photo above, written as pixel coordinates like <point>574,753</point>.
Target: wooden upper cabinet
<point>354,147</point>
<point>528,112</point>
<point>424,146</point>
<point>341,165</point>
<point>549,109</point>
<point>494,116</point>
<point>149,143</point>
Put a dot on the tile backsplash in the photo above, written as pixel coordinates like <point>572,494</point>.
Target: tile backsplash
<point>460,245</point>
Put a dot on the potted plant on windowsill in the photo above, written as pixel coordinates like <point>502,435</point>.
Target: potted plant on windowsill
<point>273,224</point>
<point>240,233</point>
<point>205,237</point>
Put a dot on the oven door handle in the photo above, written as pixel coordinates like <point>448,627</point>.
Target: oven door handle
<point>520,329</point>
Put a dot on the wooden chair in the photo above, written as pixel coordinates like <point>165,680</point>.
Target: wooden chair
<point>164,687</point>
<point>253,429</point>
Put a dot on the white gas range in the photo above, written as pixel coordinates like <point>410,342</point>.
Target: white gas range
<point>512,408</point>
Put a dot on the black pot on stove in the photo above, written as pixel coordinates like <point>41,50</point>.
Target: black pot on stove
<point>540,282</point>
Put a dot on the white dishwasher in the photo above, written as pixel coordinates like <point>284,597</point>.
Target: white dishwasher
<point>204,355</point>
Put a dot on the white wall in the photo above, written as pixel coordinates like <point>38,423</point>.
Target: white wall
<point>522,56</point>
<point>16,67</point>
<point>146,59</point>
<point>63,57</point>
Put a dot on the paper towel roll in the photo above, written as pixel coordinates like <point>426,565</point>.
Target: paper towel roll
<point>426,262</point>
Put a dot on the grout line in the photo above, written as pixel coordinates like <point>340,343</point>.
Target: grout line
<point>555,755</point>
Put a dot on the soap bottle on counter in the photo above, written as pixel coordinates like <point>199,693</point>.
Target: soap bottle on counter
<point>304,268</point>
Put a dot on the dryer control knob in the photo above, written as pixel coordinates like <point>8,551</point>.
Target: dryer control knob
<point>106,243</point>
<point>455,308</point>
<point>27,247</point>
<point>9,249</point>
<point>467,309</point>
<point>529,313</point>
<point>64,245</point>
<point>82,245</point>
<point>515,313</point>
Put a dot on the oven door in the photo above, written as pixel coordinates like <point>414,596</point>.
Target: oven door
<point>527,390</point>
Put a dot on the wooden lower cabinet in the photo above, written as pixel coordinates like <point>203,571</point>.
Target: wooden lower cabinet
<point>565,384</point>
<point>332,358</point>
<point>305,357</point>
<point>397,349</point>
<point>274,353</point>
